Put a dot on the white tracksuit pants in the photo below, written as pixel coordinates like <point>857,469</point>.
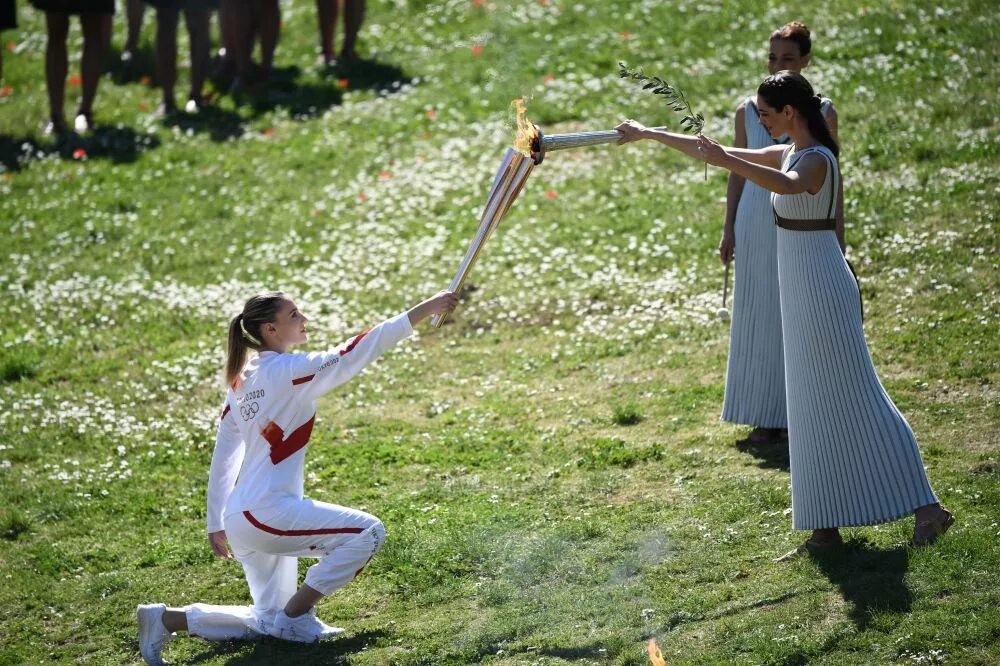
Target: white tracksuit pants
<point>268,543</point>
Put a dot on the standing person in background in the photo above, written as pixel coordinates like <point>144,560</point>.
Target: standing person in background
<point>8,21</point>
<point>241,22</point>
<point>854,459</point>
<point>95,21</point>
<point>255,485</point>
<point>197,15</point>
<point>354,15</point>
<point>755,373</point>
<point>134,11</point>
<point>235,30</point>
<point>269,25</point>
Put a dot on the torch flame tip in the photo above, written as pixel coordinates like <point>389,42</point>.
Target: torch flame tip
<point>655,656</point>
<point>525,132</point>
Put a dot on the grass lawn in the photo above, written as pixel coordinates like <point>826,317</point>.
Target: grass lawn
<point>551,468</point>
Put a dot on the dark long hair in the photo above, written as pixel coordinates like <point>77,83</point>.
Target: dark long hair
<point>788,88</point>
<point>244,331</point>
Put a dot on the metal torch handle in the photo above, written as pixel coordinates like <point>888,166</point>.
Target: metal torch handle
<point>580,139</point>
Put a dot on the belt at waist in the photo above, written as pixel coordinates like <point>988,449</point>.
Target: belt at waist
<point>805,225</point>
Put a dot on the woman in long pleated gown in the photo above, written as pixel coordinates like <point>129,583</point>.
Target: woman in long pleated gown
<point>755,371</point>
<point>854,460</point>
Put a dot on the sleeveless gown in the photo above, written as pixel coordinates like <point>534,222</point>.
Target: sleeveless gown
<point>755,372</point>
<point>854,459</point>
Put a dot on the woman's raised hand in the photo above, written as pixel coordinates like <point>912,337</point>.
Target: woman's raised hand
<point>630,130</point>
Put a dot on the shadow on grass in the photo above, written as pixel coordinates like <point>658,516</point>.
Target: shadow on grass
<point>141,65</point>
<point>770,455</point>
<point>272,651</point>
<point>307,99</point>
<point>218,123</point>
<point>871,580</point>
<point>575,653</point>
<point>117,144</point>
<point>284,90</point>
<point>369,75</point>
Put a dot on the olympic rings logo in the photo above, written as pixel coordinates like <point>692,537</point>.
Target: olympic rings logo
<point>249,411</point>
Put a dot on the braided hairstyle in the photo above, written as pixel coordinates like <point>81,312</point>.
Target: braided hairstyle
<point>245,333</point>
<point>789,88</point>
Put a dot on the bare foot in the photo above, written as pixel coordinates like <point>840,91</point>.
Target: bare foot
<point>931,522</point>
<point>821,541</point>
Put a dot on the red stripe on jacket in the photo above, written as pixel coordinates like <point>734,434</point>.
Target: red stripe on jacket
<point>274,530</point>
<point>281,448</point>
<point>354,343</point>
<point>224,412</point>
<point>349,348</point>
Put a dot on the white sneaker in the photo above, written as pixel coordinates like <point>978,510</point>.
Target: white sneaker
<point>152,634</point>
<point>263,621</point>
<point>306,628</point>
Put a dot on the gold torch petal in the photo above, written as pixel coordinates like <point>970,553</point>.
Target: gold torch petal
<point>507,184</point>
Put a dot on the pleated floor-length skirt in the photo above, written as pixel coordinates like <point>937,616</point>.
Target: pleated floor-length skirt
<point>854,460</point>
<point>755,371</point>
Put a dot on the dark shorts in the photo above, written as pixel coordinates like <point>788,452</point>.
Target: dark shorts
<point>193,5</point>
<point>8,15</point>
<point>75,6</point>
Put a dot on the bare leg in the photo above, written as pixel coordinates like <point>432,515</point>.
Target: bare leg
<point>96,31</point>
<point>326,13</point>
<point>197,22</point>
<point>56,65</point>
<point>235,18</point>
<point>134,9</point>
<point>175,619</point>
<point>228,50</point>
<point>166,55</point>
<point>270,28</point>
<point>302,601</point>
<point>354,15</point>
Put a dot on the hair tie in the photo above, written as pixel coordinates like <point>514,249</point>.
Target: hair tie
<point>247,335</point>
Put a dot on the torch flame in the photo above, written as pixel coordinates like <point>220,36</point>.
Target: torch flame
<point>655,656</point>
<point>525,132</point>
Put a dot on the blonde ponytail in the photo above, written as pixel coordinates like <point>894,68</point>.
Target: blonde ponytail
<point>244,332</point>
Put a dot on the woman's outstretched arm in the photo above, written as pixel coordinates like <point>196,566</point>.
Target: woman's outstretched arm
<point>689,145</point>
<point>807,175</point>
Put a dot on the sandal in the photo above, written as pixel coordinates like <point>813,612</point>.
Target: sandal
<point>811,547</point>
<point>926,532</point>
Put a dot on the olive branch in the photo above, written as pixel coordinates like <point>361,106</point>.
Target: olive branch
<point>676,99</point>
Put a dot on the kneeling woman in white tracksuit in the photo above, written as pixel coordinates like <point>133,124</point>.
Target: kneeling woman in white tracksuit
<point>255,503</point>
